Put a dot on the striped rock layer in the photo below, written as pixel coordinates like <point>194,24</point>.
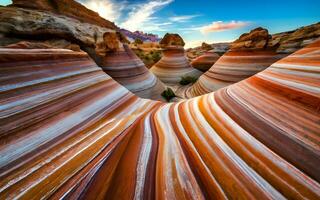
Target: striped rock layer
<point>127,69</point>
<point>173,65</point>
<point>205,61</point>
<point>70,131</point>
<point>231,68</point>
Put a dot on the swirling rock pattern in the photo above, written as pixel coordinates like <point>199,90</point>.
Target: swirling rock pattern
<point>205,61</point>
<point>231,68</point>
<point>69,131</point>
<point>173,65</point>
<point>127,69</point>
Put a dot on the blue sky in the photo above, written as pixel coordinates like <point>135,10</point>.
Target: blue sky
<point>206,20</point>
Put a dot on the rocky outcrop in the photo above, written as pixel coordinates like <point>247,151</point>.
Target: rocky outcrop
<point>30,24</point>
<point>292,41</point>
<point>173,65</point>
<point>204,62</point>
<point>206,47</point>
<point>286,42</point>
<point>171,39</point>
<point>68,130</point>
<point>256,39</point>
<point>69,8</point>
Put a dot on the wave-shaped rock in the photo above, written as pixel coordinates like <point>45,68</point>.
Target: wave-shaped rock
<point>205,61</point>
<point>231,68</point>
<point>68,130</point>
<point>173,64</point>
<point>247,56</point>
<point>126,68</point>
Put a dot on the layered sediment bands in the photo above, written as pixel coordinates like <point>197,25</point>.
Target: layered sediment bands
<point>231,68</point>
<point>69,131</point>
<point>205,61</point>
<point>173,65</point>
<point>127,69</point>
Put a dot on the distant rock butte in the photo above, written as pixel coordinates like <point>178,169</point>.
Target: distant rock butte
<point>68,8</point>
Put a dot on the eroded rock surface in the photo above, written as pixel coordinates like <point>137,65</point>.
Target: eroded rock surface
<point>173,65</point>
<point>69,8</point>
<point>205,62</point>
<point>68,130</point>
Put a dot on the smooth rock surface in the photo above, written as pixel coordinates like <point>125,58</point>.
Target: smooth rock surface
<point>68,130</point>
<point>205,62</point>
<point>127,69</point>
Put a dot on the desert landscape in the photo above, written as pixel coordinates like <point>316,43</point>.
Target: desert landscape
<point>93,110</point>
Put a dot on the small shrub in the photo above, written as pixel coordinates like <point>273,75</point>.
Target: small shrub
<point>168,94</point>
<point>185,80</point>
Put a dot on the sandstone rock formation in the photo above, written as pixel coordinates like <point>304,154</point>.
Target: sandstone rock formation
<point>173,65</point>
<point>205,62</point>
<point>69,8</point>
<point>68,130</point>
<point>256,39</point>
<point>292,41</point>
<point>25,23</point>
<point>126,68</point>
<point>172,39</point>
<point>247,56</point>
<point>22,25</point>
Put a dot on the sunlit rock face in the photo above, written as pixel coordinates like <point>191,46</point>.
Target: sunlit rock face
<point>126,68</point>
<point>247,56</point>
<point>292,41</point>
<point>39,25</point>
<point>68,130</point>
<point>205,62</point>
<point>231,68</point>
<point>173,64</point>
<point>69,8</point>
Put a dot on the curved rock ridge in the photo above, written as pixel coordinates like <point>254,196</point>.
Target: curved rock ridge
<point>69,131</point>
<point>231,68</point>
<point>173,66</point>
<point>205,61</point>
<point>126,68</point>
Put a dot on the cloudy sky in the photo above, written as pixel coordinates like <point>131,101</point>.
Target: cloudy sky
<point>206,20</point>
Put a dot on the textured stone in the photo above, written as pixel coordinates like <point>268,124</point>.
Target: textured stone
<point>69,8</point>
<point>256,39</point>
<point>205,62</point>
<point>171,39</point>
<point>68,130</point>
<point>173,66</point>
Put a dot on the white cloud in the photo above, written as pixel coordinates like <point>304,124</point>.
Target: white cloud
<point>140,17</point>
<point>107,9</point>
<point>182,18</point>
<point>223,26</point>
